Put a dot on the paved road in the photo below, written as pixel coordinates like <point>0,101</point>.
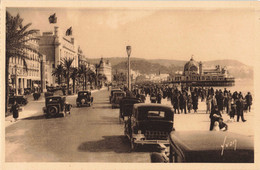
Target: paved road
<point>89,134</point>
<point>92,134</point>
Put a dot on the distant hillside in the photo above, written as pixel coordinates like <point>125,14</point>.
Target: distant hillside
<point>154,66</point>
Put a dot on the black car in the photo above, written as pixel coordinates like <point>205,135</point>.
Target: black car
<point>20,99</point>
<point>149,124</point>
<point>84,98</point>
<point>208,147</point>
<point>112,93</point>
<point>211,146</point>
<point>56,106</point>
<point>126,107</point>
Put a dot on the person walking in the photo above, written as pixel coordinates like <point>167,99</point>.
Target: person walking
<point>240,109</point>
<point>189,103</point>
<point>233,111</point>
<point>15,110</point>
<point>208,102</point>
<point>195,101</point>
<point>249,100</point>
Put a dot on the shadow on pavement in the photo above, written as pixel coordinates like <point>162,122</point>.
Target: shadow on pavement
<point>102,107</point>
<point>118,144</point>
<point>39,117</point>
<point>34,117</point>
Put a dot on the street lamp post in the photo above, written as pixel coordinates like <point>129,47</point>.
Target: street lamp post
<point>128,50</point>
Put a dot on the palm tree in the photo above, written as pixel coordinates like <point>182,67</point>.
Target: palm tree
<point>91,76</point>
<point>74,76</point>
<point>17,37</point>
<point>82,72</point>
<point>58,72</point>
<point>67,64</point>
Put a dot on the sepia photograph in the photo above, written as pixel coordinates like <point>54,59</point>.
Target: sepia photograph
<point>141,82</point>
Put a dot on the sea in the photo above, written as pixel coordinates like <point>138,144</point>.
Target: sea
<point>241,85</point>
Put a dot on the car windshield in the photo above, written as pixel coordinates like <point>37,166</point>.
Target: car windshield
<point>154,114</point>
<point>83,94</point>
<point>119,94</point>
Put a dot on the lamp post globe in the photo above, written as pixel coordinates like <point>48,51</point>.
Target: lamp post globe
<point>128,50</point>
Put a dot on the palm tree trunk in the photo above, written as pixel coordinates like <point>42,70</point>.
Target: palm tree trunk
<point>68,82</point>
<point>85,85</point>
<point>73,86</point>
<point>6,84</point>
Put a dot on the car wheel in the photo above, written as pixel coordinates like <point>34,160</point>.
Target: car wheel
<point>52,110</point>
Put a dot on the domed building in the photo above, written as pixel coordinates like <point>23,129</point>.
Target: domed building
<point>194,74</point>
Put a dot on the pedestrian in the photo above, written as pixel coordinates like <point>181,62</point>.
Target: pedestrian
<point>183,102</point>
<point>15,110</point>
<point>233,111</point>
<point>249,100</point>
<point>208,102</point>
<point>159,97</point>
<point>215,116</point>
<point>195,101</point>
<point>189,103</point>
<point>176,103</point>
<point>240,109</point>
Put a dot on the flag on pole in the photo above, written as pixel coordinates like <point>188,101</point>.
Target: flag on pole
<point>53,19</point>
<point>69,31</point>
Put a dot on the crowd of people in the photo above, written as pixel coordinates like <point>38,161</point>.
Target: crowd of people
<point>186,99</point>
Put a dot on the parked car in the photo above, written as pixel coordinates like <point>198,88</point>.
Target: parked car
<point>117,97</point>
<point>56,106</point>
<point>149,124</point>
<point>20,99</point>
<point>112,93</point>
<point>84,98</point>
<point>210,147</point>
<point>48,94</point>
<point>126,107</point>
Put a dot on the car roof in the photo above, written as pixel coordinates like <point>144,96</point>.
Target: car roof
<point>117,92</point>
<point>209,140</point>
<point>156,105</point>
<point>116,89</point>
<point>85,91</point>
<point>54,97</point>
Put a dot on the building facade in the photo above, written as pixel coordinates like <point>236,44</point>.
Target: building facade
<point>104,68</point>
<point>194,74</point>
<point>57,46</point>
<point>22,78</point>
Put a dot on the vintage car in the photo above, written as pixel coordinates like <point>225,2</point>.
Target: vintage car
<point>149,124</point>
<point>48,94</point>
<point>209,147</point>
<point>112,93</point>
<point>117,97</point>
<point>20,99</point>
<point>84,98</point>
<point>56,106</point>
<point>126,107</point>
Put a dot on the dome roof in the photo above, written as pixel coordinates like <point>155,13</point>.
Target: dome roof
<point>191,65</point>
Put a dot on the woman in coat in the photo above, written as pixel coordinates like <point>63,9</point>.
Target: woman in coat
<point>15,110</point>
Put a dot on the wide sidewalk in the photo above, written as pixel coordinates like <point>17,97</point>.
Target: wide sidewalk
<point>31,109</point>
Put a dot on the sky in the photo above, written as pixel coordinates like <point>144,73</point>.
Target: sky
<point>163,33</point>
